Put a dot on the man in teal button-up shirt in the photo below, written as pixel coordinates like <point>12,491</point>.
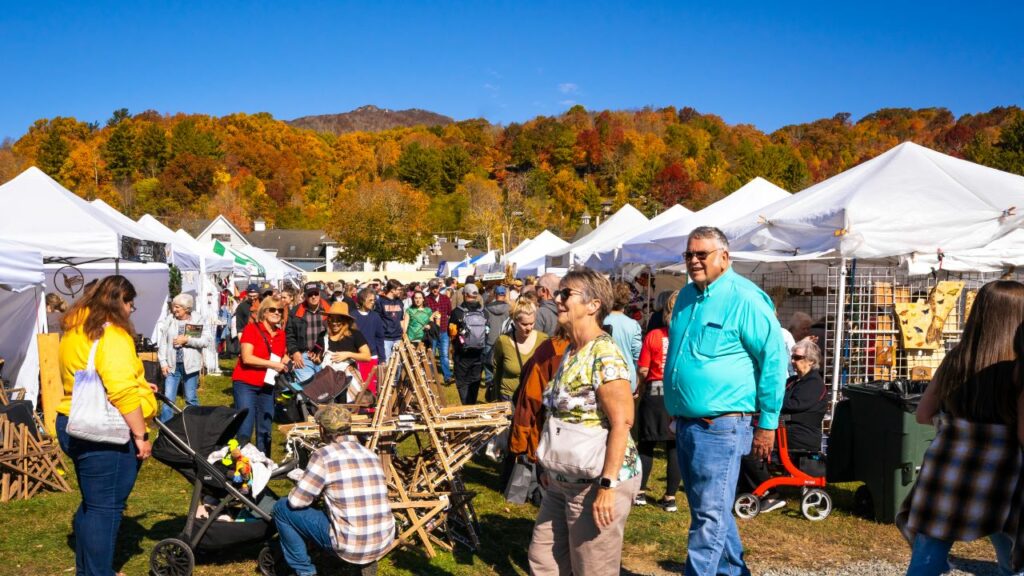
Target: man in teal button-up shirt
<point>726,361</point>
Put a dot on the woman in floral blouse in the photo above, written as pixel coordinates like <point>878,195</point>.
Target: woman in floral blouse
<point>581,522</point>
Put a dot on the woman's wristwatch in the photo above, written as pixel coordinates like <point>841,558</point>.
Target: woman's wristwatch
<point>607,482</point>
<point>144,437</point>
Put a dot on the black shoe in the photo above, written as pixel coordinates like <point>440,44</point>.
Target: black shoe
<point>668,505</point>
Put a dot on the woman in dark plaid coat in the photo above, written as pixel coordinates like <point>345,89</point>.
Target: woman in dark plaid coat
<point>969,485</point>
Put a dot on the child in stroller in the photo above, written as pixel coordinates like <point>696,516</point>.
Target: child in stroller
<point>185,443</point>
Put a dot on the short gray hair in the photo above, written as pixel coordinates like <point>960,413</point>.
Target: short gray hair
<point>184,300</point>
<point>811,351</point>
<point>709,232</point>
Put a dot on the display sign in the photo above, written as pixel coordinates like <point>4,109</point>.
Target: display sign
<point>137,250</point>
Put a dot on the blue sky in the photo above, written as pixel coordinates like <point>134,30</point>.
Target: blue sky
<point>762,63</point>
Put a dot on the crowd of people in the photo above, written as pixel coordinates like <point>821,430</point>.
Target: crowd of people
<point>594,394</point>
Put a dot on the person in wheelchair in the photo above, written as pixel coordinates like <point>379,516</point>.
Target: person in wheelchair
<point>805,403</point>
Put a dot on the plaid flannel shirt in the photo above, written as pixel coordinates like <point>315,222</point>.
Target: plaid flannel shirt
<point>442,304</point>
<point>969,484</point>
<point>355,491</point>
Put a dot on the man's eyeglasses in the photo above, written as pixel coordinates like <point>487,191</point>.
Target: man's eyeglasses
<point>275,310</point>
<point>565,293</point>
<point>701,255</point>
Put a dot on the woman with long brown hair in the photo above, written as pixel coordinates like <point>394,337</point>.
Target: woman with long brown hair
<point>966,489</point>
<point>106,472</point>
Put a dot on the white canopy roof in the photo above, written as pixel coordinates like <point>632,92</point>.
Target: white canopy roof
<point>529,259</point>
<point>608,235</point>
<point>668,244</point>
<point>40,213</point>
<point>20,267</point>
<point>522,246</point>
<point>274,268</point>
<point>214,262</point>
<point>667,222</point>
<point>182,255</point>
<point>909,200</point>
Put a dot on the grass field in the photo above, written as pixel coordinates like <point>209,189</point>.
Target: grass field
<point>34,534</point>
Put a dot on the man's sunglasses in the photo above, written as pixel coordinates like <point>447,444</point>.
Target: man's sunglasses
<point>699,255</point>
<point>565,293</point>
<point>798,357</point>
<point>275,310</point>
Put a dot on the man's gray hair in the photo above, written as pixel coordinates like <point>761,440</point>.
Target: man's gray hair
<point>184,300</point>
<point>706,232</point>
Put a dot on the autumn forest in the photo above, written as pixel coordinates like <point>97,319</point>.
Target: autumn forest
<point>382,193</point>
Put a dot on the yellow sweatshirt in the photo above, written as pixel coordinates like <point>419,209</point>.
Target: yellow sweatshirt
<point>117,364</point>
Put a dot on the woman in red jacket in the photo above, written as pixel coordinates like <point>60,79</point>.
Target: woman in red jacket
<point>262,350</point>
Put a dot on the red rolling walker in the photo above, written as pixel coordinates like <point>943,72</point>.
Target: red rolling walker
<point>815,503</point>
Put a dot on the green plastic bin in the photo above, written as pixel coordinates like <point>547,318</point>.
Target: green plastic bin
<point>876,440</point>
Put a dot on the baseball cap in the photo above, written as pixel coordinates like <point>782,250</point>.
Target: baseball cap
<point>470,289</point>
<point>500,291</point>
<point>310,287</point>
<point>334,418</point>
<point>252,288</point>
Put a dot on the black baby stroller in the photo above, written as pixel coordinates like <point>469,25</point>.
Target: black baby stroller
<point>184,444</point>
<point>297,401</point>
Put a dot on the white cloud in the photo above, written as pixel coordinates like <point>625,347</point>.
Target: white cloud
<point>567,102</point>
<point>568,88</point>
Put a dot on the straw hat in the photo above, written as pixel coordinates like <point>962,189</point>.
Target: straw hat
<point>339,308</point>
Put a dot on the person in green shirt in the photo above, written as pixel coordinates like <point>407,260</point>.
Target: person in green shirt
<point>418,317</point>
<point>514,350</point>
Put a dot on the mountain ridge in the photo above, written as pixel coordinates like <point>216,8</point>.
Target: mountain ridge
<point>370,118</point>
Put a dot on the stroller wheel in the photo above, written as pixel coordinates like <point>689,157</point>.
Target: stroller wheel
<point>171,557</point>
<point>746,506</point>
<point>816,505</point>
<point>270,562</point>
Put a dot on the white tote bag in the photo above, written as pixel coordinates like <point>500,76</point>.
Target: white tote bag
<point>93,417</point>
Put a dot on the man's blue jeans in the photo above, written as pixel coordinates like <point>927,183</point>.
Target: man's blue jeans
<point>709,460</point>
<point>295,527</point>
<point>440,347</point>
<point>930,556</point>
<point>260,403</point>
<point>171,382</point>
<point>106,475</point>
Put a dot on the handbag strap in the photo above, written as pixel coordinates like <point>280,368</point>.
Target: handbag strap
<point>91,365</point>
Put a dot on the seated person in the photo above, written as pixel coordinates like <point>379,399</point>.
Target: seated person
<point>358,524</point>
<point>805,403</point>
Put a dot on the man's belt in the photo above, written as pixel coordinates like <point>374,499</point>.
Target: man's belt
<point>656,388</point>
<point>710,419</point>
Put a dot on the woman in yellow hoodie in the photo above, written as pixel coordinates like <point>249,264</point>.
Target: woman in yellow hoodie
<point>106,472</point>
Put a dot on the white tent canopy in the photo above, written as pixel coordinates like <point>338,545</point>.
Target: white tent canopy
<point>182,255</point>
<point>908,201</point>
<point>529,260</point>
<point>606,236</point>
<point>668,244</point>
<point>40,213</point>
<point>21,268</point>
<point>21,294</point>
<point>214,262</point>
<point>667,223</point>
<point>275,270</point>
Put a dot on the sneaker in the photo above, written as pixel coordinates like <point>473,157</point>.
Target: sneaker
<point>668,505</point>
<point>640,499</point>
<point>771,503</point>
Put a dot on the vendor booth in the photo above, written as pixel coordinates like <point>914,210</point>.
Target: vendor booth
<point>529,260</point>
<point>607,236</point>
<point>667,222</point>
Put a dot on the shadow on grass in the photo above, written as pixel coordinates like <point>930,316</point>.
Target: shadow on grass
<point>504,544</point>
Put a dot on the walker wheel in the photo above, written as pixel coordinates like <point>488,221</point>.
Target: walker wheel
<point>746,506</point>
<point>816,505</point>
<point>172,557</point>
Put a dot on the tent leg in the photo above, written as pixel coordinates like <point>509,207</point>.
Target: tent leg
<point>837,342</point>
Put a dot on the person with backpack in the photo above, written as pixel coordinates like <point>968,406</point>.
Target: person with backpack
<point>467,326</point>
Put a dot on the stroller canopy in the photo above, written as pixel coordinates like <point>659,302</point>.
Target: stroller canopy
<point>202,428</point>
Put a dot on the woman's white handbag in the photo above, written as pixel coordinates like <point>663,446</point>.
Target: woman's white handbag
<point>92,416</point>
<point>573,450</point>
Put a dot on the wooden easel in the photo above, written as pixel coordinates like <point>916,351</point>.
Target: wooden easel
<point>30,460</point>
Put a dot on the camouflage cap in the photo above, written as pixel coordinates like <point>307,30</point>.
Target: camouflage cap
<point>334,418</point>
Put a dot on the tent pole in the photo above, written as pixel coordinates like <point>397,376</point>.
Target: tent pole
<point>837,342</point>
<point>117,266</point>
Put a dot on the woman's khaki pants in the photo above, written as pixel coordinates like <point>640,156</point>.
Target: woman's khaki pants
<point>566,540</point>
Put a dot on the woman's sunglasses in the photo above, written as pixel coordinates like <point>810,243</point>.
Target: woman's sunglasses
<point>565,293</point>
<point>275,310</point>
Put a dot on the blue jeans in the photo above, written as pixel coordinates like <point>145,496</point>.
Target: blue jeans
<point>308,371</point>
<point>440,347</point>
<point>389,347</point>
<point>709,460</point>
<point>931,555</point>
<point>106,475</point>
<point>295,526</point>
<point>171,389</point>
<point>260,403</point>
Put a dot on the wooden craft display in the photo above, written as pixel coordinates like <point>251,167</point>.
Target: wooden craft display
<point>921,322</point>
<point>30,460</point>
<point>423,445</point>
